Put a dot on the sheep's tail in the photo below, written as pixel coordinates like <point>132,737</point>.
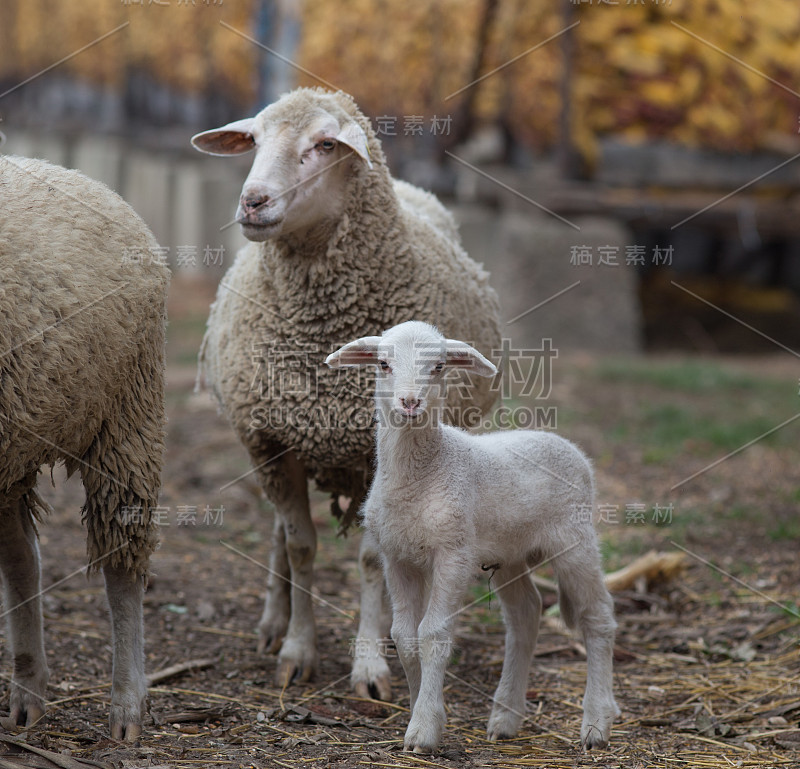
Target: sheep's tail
<point>36,507</point>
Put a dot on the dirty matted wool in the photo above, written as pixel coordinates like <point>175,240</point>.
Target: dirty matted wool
<point>82,322</point>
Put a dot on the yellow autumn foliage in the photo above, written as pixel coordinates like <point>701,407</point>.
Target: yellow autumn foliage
<point>716,73</point>
<point>681,70</point>
<point>175,42</point>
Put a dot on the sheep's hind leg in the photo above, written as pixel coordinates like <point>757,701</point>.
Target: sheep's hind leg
<point>370,676</point>
<point>587,605</point>
<point>22,605</point>
<point>277,605</point>
<point>297,660</point>
<point>128,682</point>
<point>522,608</point>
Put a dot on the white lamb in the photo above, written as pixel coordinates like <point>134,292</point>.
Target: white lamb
<point>445,502</point>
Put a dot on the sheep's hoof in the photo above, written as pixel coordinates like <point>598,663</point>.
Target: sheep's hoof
<point>128,732</point>
<point>291,672</point>
<point>22,715</point>
<point>379,689</point>
<point>269,643</point>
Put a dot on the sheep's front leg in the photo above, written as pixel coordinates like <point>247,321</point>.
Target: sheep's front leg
<point>298,656</point>
<point>370,676</point>
<point>406,588</point>
<point>128,683</point>
<point>435,641</point>
<point>22,606</point>
<point>277,605</point>
<point>522,608</point>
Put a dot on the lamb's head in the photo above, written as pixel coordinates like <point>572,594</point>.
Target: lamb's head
<point>308,145</point>
<point>412,360</point>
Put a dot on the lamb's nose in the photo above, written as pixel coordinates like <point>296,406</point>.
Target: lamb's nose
<point>409,403</point>
<point>253,201</point>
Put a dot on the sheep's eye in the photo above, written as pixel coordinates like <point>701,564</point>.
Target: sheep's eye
<point>384,365</point>
<point>326,144</point>
<point>439,367</point>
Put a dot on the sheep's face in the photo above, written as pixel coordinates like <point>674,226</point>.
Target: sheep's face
<point>412,360</point>
<point>302,162</point>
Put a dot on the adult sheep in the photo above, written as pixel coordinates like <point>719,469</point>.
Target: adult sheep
<point>82,316</point>
<point>339,249</point>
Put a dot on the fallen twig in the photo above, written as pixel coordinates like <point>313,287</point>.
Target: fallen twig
<point>177,669</point>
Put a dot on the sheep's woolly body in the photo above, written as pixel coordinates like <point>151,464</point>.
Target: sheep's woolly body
<point>82,317</point>
<point>393,255</point>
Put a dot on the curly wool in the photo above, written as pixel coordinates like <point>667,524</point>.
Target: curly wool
<point>394,255</point>
<point>82,323</point>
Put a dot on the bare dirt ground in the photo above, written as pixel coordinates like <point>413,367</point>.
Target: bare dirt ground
<point>707,664</point>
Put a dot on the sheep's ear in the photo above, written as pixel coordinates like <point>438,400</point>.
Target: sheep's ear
<point>232,139</point>
<point>362,352</point>
<point>460,354</point>
<point>352,135</point>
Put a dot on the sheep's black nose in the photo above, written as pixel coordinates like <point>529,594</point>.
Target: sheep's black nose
<point>409,403</point>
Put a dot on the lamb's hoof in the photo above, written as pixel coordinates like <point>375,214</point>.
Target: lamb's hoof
<point>503,724</point>
<point>424,732</point>
<point>596,727</point>
<point>423,749</point>
<point>593,739</point>
<point>379,689</point>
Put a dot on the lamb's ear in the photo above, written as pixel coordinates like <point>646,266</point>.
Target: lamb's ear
<point>352,134</point>
<point>362,352</point>
<point>232,139</point>
<point>460,354</point>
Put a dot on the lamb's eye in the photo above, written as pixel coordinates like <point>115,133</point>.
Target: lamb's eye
<point>327,145</point>
<point>384,365</point>
<point>439,367</point>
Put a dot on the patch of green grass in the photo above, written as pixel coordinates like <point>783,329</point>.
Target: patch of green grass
<point>690,376</point>
<point>787,529</point>
<point>184,336</point>
<point>697,406</point>
<point>666,428</point>
<point>481,593</point>
<point>617,552</point>
<point>791,609</point>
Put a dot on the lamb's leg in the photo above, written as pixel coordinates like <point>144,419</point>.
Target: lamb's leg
<point>371,676</point>
<point>277,606</point>
<point>435,643</point>
<point>22,606</point>
<point>407,591</point>
<point>522,608</point>
<point>128,682</point>
<point>587,605</point>
<point>298,656</point>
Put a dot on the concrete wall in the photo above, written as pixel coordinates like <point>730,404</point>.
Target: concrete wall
<point>188,199</point>
<point>185,198</point>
